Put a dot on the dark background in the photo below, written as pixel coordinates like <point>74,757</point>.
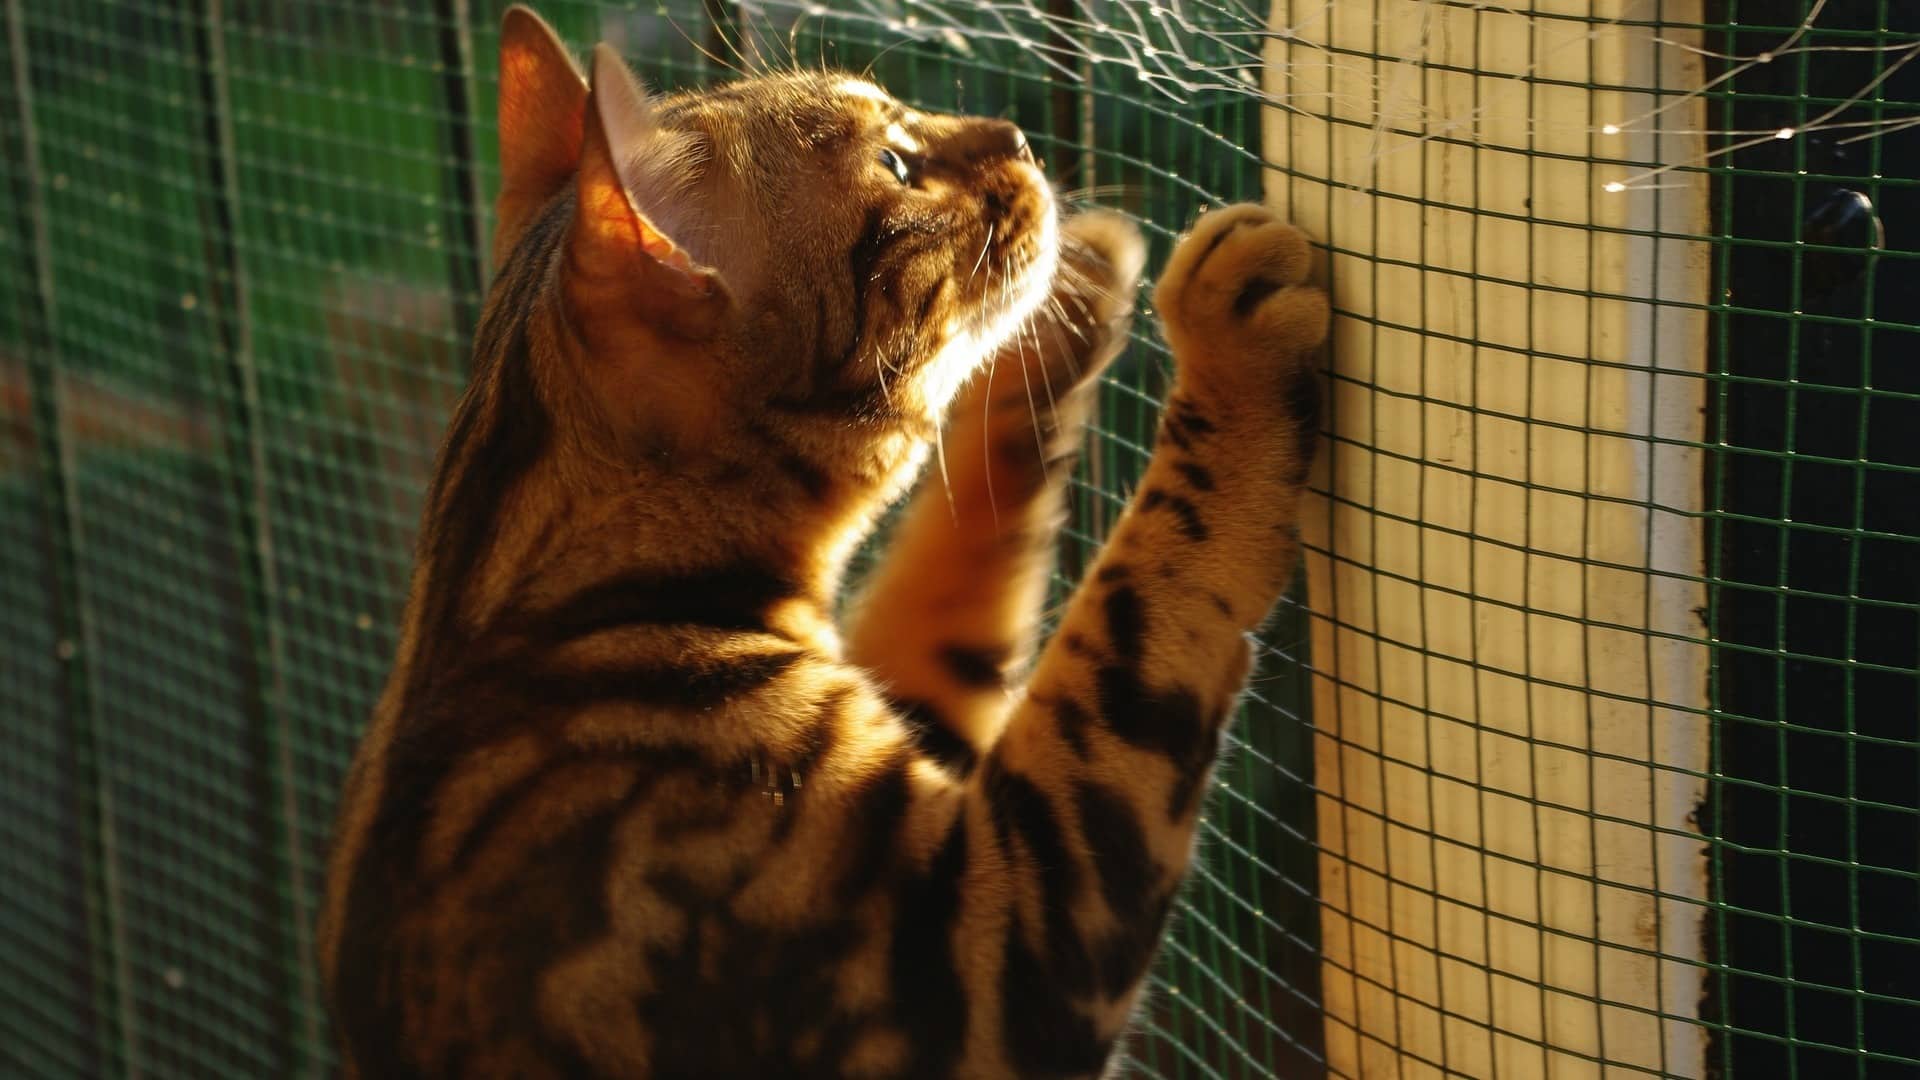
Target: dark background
<point>1817,801</point>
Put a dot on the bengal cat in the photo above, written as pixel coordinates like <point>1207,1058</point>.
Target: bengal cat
<point>631,804</point>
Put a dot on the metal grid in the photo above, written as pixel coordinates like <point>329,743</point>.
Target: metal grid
<point>241,253</point>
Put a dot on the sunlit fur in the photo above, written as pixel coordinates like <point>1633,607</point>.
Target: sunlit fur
<point>632,803</point>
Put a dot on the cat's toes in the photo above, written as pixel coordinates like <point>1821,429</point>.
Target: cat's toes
<point>1101,253</point>
<point>1233,296</point>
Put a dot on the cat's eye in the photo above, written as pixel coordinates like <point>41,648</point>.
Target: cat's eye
<point>895,164</point>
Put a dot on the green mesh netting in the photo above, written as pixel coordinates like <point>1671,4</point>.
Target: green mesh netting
<point>241,252</point>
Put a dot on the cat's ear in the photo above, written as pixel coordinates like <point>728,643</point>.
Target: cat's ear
<point>622,261</point>
<point>542,119</point>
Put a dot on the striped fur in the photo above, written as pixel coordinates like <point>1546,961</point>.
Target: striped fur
<point>632,805</point>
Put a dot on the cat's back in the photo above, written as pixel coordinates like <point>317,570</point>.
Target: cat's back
<point>558,888</point>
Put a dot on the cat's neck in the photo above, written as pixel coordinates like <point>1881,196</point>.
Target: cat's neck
<point>664,533</point>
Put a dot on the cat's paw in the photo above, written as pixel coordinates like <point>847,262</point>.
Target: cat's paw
<point>1083,328</point>
<point>1101,254</point>
<point>1235,306</point>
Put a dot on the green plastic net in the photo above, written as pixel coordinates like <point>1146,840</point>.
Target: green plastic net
<point>242,247</point>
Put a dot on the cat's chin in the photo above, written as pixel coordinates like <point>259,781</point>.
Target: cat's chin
<point>979,337</point>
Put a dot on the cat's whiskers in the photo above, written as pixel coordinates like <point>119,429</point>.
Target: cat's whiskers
<point>946,482</point>
<point>880,364</point>
<point>880,373</point>
<point>1097,191</point>
<point>704,51</point>
<point>1064,323</point>
<point>867,73</point>
<point>1061,318</point>
<point>1084,284</point>
<point>986,445</point>
<point>771,64</point>
<point>899,370</point>
<point>1047,387</point>
<point>1039,347</point>
<point>986,418</point>
<point>984,245</point>
<point>1026,379</point>
<point>793,44</point>
<point>1046,376</point>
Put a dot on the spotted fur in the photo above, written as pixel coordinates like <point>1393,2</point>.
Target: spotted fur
<point>632,804</point>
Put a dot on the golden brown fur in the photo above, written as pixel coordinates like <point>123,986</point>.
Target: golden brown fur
<point>631,805</point>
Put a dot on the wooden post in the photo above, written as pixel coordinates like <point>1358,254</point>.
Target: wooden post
<point>1506,555</point>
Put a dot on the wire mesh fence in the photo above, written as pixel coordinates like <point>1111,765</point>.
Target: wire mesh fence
<point>243,248</point>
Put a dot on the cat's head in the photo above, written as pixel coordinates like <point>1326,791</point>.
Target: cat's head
<point>796,246</point>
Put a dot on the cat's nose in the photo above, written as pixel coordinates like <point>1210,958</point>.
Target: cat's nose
<point>992,140</point>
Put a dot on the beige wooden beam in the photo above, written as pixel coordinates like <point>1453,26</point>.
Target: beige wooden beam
<point>1506,551</point>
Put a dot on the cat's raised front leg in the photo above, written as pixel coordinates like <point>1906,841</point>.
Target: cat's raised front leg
<point>951,611</point>
<point>1093,792</point>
